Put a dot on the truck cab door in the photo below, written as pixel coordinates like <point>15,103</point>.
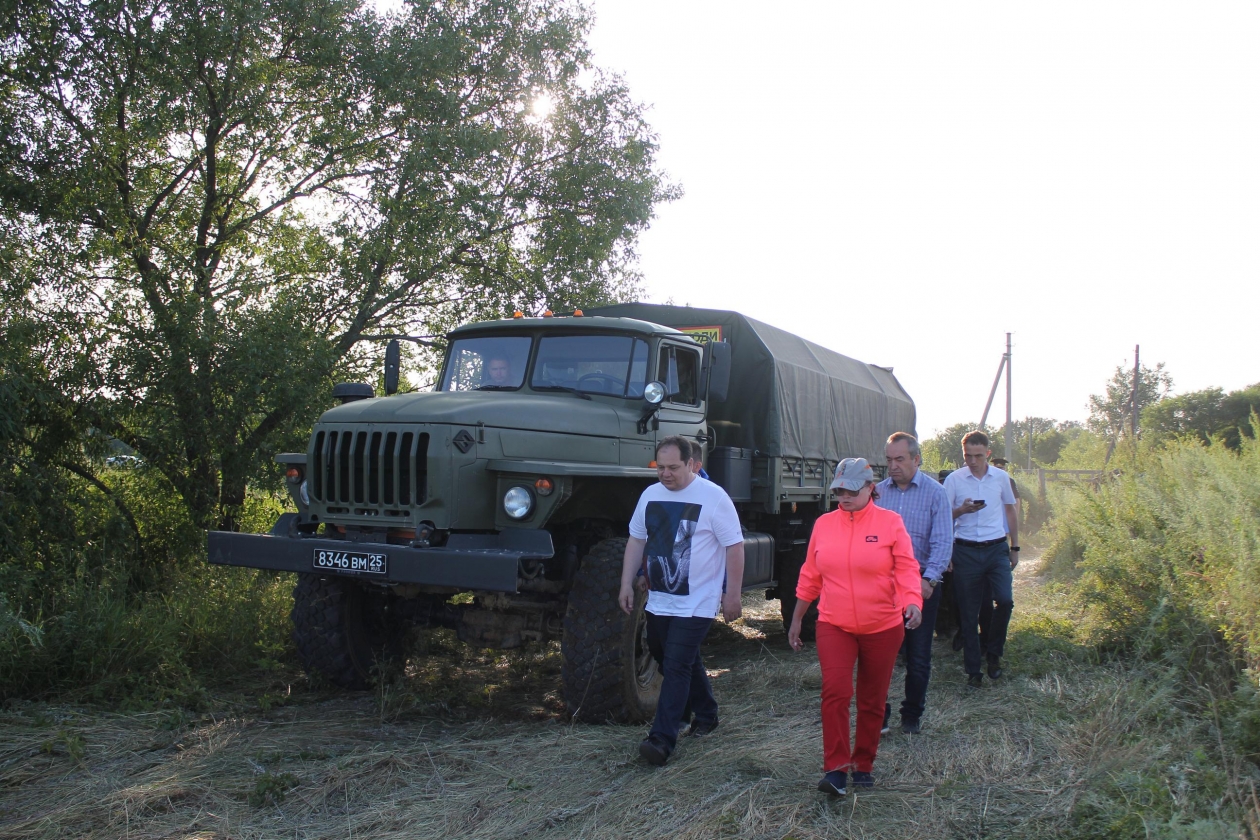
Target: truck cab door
<point>682,412</point>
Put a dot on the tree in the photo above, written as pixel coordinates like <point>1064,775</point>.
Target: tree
<point>946,446</point>
<point>1110,412</point>
<point>230,199</point>
<point>1205,414</point>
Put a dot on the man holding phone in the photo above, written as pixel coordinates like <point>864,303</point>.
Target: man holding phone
<point>984,512</point>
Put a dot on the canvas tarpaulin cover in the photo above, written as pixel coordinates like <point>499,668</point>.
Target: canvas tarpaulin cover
<point>790,397</point>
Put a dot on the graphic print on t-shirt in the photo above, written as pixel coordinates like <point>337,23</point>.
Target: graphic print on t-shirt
<point>670,526</point>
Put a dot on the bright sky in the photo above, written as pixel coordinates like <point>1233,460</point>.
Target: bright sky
<point>906,182</point>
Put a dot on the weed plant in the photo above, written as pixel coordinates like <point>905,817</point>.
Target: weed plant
<point>93,609</point>
<point>1162,559</point>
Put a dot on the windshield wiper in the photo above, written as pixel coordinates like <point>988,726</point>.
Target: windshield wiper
<point>581,394</point>
<point>496,387</point>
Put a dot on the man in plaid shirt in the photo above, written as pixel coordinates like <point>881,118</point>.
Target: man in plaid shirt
<point>924,507</point>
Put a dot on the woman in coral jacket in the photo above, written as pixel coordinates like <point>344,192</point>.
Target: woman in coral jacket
<point>860,561</point>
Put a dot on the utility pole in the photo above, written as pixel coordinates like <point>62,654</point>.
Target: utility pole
<point>1133,399</point>
<point>992,391</point>
<point>1007,433</point>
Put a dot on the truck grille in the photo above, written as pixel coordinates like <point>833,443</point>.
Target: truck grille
<point>359,466</point>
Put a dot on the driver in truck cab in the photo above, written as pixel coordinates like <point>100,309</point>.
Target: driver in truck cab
<point>498,371</point>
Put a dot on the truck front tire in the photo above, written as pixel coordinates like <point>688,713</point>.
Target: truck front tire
<point>608,673</point>
<point>343,631</point>
<point>790,574</point>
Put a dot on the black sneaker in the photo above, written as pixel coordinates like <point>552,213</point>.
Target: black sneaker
<point>700,728</point>
<point>653,751</point>
<point>883,730</point>
<point>862,779</point>
<point>975,680</point>
<point>834,783</point>
<point>909,727</point>
<point>995,667</point>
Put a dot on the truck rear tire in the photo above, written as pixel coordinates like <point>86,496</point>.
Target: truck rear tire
<point>343,632</point>
<point>787,596</point>
<point>608,673</point>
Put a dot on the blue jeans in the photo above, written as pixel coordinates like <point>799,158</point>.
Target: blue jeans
<point>974,566</point>
<point>918,648</point>
<point>674,642</point>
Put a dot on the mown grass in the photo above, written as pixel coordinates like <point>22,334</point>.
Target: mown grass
<point>1071,744</point>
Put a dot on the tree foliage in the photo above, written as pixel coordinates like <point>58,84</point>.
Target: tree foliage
<point>221,203</point>
<point>1111,412</point>
<point>1207,414</point>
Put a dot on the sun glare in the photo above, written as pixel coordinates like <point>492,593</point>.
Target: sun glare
<point>542,106</point>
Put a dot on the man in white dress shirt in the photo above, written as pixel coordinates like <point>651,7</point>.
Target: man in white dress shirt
<point>985,513</point>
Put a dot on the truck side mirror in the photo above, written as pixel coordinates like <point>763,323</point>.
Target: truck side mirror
<point>393,359</point>
<point>717,370</point>
<point>653,395</point>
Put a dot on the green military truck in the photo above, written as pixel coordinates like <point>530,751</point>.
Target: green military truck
<point>498,503</point>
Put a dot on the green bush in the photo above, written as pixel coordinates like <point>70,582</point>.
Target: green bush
<point>1161,558</point>
<point>1166,555</point>
<point>94,609</point>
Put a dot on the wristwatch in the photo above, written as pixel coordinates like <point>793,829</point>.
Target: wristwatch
<point>931,583</point>
<point>1014,548</point>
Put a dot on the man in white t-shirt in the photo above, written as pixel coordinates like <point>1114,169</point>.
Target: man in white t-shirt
<point>686,532</point>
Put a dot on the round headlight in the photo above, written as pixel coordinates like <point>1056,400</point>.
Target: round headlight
<point>518,502</point>
<point>654,392</point>
<point>306,496</point>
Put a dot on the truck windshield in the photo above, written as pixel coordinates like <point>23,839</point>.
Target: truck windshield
<point>486,364</point>
<point>594,364</point>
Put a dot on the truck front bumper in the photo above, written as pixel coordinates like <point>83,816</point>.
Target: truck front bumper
<point>486,562</point>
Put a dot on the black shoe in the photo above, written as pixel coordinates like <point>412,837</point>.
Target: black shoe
<point>653,751</point>
<point>909,727</point>
<point>863,780</point>
<point>700,728</point>
<point>834,783</point>
<point>975,680</point>
<point>883,730</point>
<point>995,667</point>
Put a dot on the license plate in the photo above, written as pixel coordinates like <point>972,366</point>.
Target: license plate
<point>351,562</point>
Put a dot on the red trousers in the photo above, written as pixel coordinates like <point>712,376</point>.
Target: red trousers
<point>875,654</point>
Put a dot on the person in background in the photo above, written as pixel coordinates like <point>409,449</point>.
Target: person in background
<point>688,534</point>
<point>860,566</point>
<point>984,514</point>
<point>947,616</point>
<point>697,460</point>
<point>924,508</point>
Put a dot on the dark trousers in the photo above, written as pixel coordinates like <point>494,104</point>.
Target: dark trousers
<point>674,643</point>
<point>947,615</point>
<point>986,617</point>
<point>918,648</point>
<point>973,567</point>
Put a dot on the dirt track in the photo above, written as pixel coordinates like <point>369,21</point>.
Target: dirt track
<point>480,749</point>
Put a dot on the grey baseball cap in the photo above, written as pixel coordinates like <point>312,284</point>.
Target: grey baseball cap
<point>852,474</point>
